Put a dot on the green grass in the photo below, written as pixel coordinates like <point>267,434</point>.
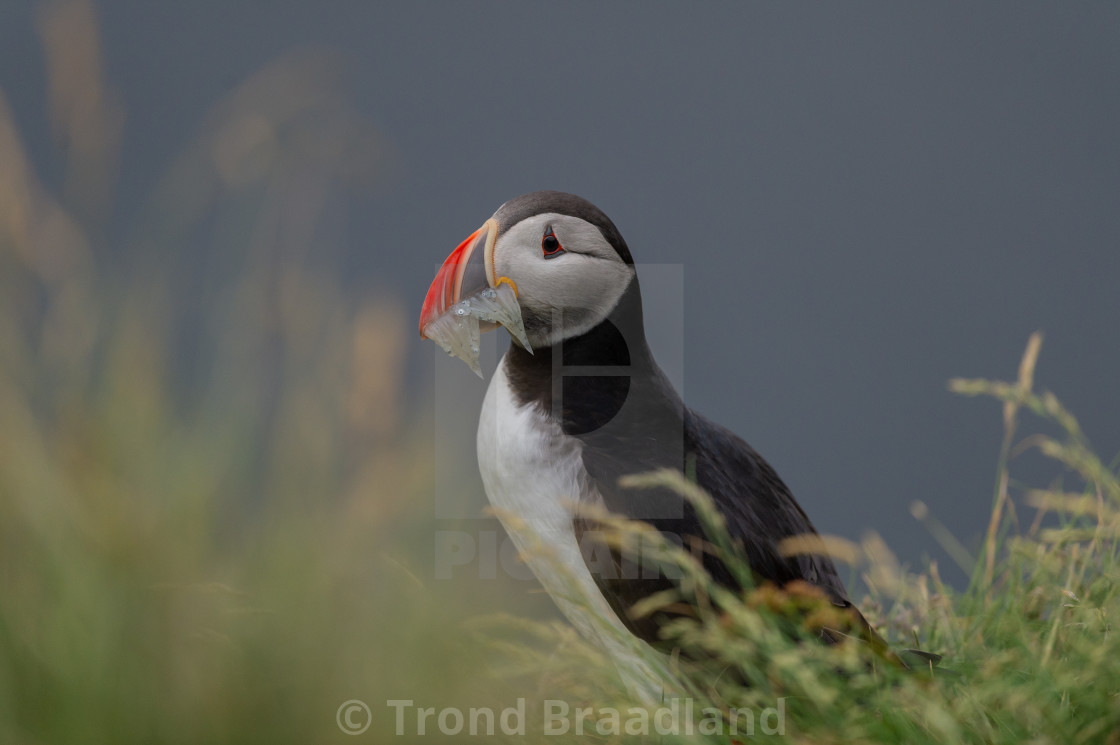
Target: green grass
<point>1029,653</point>
<point>215,507</point>
<point>215,502</point>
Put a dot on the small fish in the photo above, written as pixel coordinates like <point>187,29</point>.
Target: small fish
<point>457,330</point>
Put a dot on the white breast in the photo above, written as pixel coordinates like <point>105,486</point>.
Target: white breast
<point>533,474</point>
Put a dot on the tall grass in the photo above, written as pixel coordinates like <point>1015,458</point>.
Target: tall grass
<point>1028,651</point>
<point>214,504</point>
<point>215,510</point>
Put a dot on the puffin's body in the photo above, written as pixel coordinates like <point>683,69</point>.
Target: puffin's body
<point>584,403</point>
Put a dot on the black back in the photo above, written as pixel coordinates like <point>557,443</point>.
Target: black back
<point>605,389</point>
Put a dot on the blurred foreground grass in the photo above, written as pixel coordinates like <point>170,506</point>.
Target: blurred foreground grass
<point>215,518</point>
<point>215,515</point>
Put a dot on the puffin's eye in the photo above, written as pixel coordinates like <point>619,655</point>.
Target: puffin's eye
<point>550,244</point>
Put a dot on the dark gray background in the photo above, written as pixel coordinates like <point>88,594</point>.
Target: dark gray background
<point>867,199</point>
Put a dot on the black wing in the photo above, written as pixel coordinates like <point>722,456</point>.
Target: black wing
<point>759,509</point>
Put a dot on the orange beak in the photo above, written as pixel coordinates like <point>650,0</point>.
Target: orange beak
<point>468,269</point>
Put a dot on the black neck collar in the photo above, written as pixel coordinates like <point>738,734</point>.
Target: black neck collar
<point>583,382</point>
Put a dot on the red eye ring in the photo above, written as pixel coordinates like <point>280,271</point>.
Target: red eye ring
<point>550,244</point>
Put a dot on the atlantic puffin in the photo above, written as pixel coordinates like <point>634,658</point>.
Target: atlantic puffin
<point>578,402</point>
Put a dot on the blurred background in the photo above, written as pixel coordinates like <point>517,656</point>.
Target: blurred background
<point>221,453</point>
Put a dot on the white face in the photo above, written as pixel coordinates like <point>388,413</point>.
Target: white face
<point>569,292</point>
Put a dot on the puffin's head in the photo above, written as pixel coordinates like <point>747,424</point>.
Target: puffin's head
<point>564,258</point>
